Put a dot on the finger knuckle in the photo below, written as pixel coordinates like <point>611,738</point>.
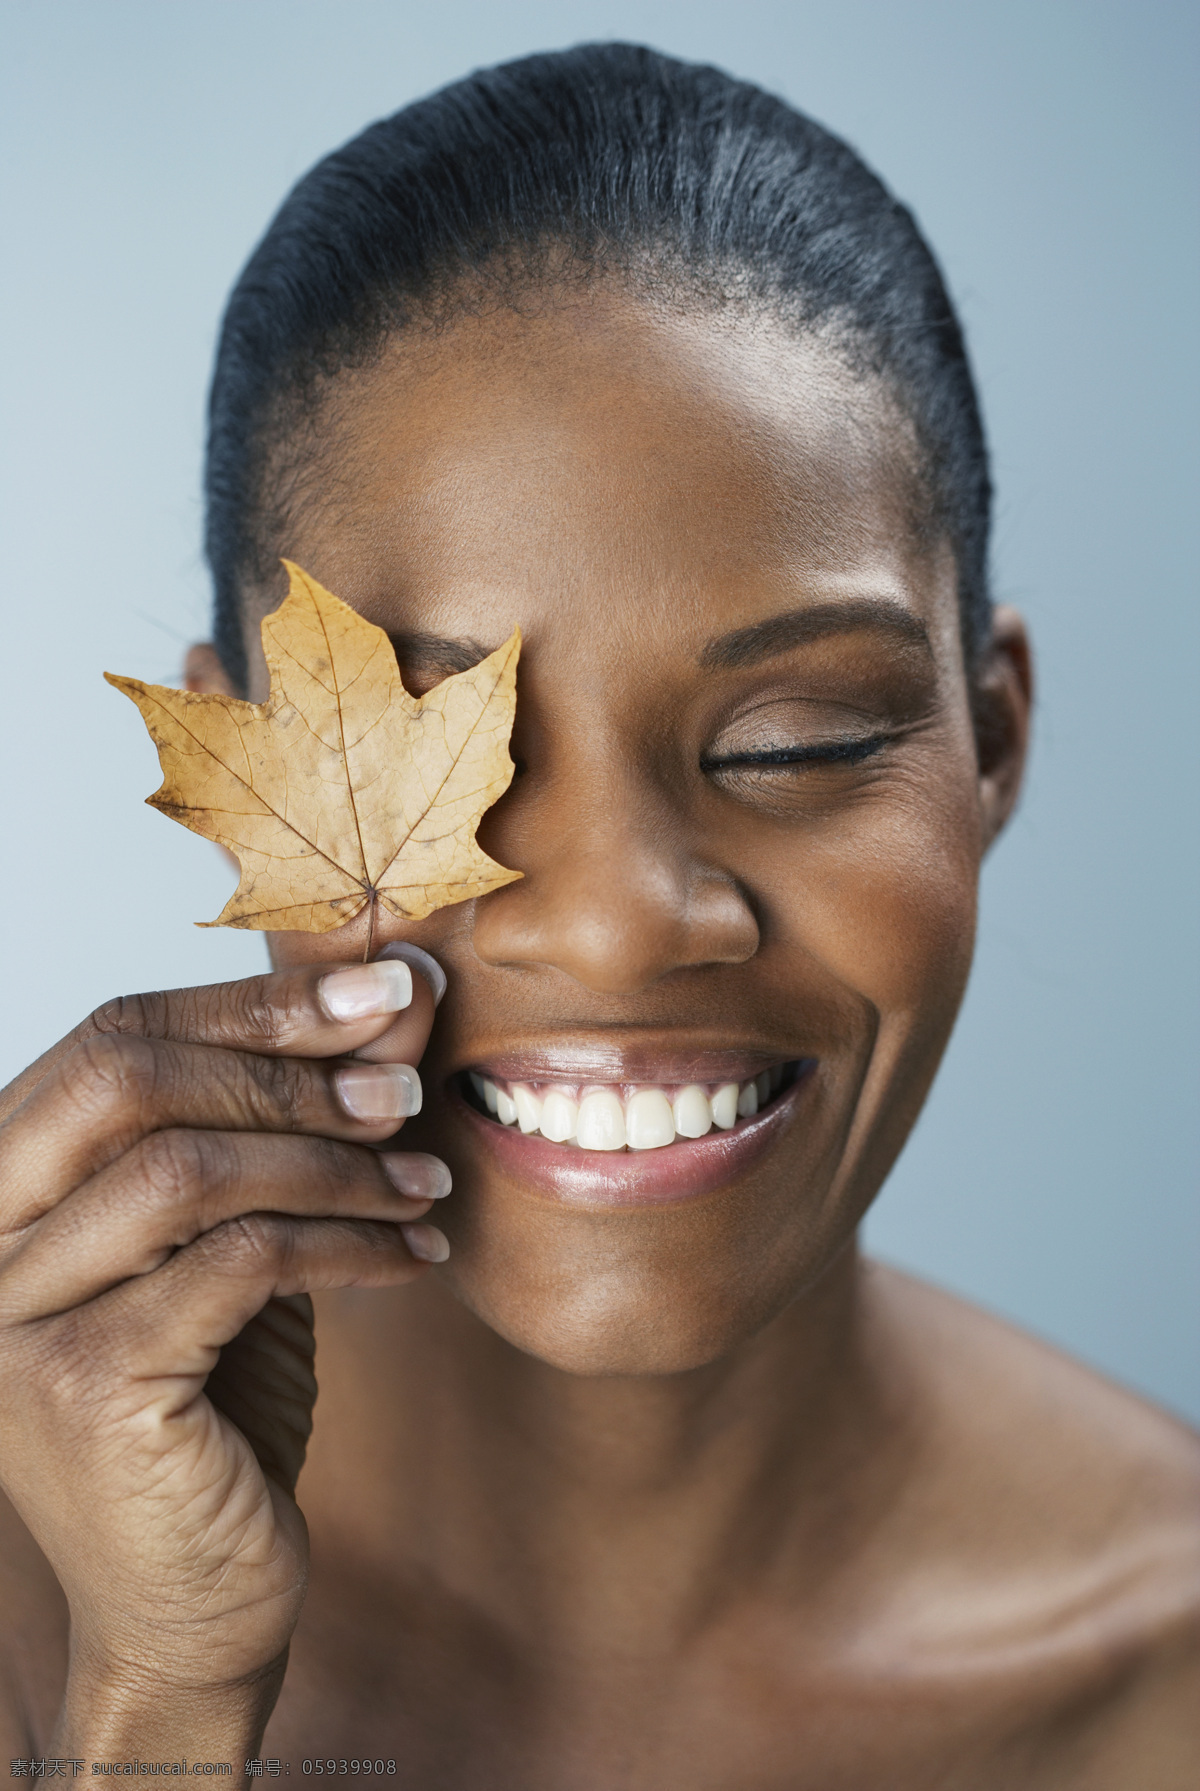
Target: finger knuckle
<point>258,1011</point>
<point>171,1165</point>
<point>258,1244</point>
<point>111,1070</point>
<point>140,1013</point>
<point>338,1165</point>
<point>280,1089</point>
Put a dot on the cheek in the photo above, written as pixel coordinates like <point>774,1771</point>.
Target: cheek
<point>888,903</point>
<point>887,907</point>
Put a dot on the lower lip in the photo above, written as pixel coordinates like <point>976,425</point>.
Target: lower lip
<point>689,1169</point>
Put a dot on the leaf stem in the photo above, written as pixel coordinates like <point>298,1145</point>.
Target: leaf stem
<point>366,957</point>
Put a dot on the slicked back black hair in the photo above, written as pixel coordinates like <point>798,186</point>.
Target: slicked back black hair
<point>612,152</point>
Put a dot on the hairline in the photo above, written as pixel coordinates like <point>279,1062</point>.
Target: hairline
<point>548,269</point>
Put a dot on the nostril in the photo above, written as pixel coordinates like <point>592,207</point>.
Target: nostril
<point>616,911</point>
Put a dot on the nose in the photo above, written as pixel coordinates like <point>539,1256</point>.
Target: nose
<point>617,904</point>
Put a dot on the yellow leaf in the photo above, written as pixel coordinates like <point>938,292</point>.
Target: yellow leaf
<point>341,789</point>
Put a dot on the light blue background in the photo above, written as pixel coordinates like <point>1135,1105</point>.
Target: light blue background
<point>1049,148</point>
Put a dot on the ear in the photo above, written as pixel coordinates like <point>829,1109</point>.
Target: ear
<point>203,671</point>
<point>1001,706</point>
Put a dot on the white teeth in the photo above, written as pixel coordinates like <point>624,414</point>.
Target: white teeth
<point>506,1108</point>
<point>560,1116</point>
<point>649,1122</point>
<point>725,1106</point>
<point>692,1112</point>
<point>529,1108</point>
<point>601,1124</point>
<point>644,1120</point>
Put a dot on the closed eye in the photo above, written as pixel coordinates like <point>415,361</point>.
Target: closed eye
<point>827,752</point>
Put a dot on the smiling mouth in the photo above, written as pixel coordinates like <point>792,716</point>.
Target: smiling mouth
<point>623,1116</point>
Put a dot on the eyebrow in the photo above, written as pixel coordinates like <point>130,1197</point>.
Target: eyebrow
<point>796,627</point>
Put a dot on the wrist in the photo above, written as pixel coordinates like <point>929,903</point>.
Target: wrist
<point>127,1712</point>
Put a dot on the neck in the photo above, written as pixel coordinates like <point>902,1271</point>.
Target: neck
<point>565,1502</point>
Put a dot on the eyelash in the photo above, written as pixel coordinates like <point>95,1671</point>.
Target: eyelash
<point>833,752</point>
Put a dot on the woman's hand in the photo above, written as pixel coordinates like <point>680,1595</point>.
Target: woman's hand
<point>175,1178</point>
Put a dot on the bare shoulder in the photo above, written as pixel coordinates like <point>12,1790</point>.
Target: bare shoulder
<point>1068,1424</point>
<point>1066,1512</point>
<point>33,1639</point>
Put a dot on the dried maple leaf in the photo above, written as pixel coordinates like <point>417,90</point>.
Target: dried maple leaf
<point>341,790</point>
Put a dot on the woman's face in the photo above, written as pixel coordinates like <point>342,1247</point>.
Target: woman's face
<point>748,807</point>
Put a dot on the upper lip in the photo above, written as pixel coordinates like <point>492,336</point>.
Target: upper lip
<point>654,1061</point>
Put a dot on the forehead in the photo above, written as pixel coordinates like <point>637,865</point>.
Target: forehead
<point>601,453</point>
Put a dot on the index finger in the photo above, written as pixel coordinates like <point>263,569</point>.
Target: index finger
<point>307,1010</point>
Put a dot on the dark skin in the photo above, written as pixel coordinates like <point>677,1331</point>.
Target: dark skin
<point>670,1494</point>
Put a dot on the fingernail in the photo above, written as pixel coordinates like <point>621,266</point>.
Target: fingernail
<point>379,1091</point>
<point>361,990</point>
<point>419,1176</point>
<point>401,951</point>
<point>426,1242</point>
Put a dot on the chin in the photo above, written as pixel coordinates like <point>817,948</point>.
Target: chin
<point>606,1331</point>
<point>617,1294</point>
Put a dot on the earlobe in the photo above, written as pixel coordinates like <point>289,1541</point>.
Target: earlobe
<point>203,671</point>
<point>1001,707</point>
